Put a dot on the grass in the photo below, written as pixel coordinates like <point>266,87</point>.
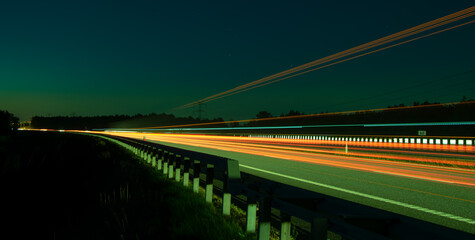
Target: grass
<point>67,186</point>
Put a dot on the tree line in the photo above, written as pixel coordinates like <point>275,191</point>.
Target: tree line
<point>399,113</point>
<point>117,121</point>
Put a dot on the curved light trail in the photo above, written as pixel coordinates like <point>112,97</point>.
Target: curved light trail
<point>295,152</point>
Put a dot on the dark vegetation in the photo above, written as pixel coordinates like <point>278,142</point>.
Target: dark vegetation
<point>8,122</point>
<point>115,121</point>
<point>69,186</point>
<point>463,111</point>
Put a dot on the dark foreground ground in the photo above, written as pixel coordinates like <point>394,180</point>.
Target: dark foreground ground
<point>68,186</point>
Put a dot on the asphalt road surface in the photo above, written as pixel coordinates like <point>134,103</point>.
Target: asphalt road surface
<point>442,195</point>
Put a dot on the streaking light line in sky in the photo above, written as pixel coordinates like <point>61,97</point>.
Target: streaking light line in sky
<point>406,33</point>
<point>317,62</point>
<point>334,63</point>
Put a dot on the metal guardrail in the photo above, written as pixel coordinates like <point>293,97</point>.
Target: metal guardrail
<point>325,213</point>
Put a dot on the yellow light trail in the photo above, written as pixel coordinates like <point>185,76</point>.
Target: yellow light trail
<point>464,177</point>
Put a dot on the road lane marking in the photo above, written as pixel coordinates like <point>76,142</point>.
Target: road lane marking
<point>422,209</point>
<point>348,164</point>
<point>382,184</point>
<point>406,205</point>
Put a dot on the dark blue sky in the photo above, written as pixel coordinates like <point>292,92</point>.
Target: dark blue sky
<point>128,57</point>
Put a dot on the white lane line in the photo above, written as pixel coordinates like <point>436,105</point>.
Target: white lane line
<point>422,209</point>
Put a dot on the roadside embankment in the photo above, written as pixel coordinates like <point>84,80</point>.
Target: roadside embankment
<point>68,186</point>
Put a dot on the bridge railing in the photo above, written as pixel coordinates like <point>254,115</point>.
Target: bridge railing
<point>325,213</point>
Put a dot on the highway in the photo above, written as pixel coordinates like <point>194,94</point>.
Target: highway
<point>439,194</point>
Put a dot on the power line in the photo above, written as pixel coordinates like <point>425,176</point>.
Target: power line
<point>199,110</point>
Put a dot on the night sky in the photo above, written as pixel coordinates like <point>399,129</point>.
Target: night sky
<point>127,57</point>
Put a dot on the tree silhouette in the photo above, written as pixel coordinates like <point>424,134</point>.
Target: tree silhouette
<point>264,114</point>
<point>8,122</point>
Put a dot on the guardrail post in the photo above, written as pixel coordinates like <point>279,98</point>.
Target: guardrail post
<point>165,162</point>
<point>154,157</point>
<point>251,216</point>
<point>209,183</point>
<point>226,203</point>
<point>147,155</point>
<point>159,159</point>
<point>178,160</point>
<point>144,156</point>
<point>285,226</point>
<point>144,152</point>
<point>171,161</point>
<point>264,218</point>
<point>319,229</point>
<point>186,171</point>
<point>196,176</point>
<point>232,179</point>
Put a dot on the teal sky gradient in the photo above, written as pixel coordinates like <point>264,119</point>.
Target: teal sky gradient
<point>128,57</point>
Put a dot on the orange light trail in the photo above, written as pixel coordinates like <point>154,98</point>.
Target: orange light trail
<point>406,158</point>
<point>367,145</point>
<point>416,146</point>
<point>403,34</point>
<point>465,177</point>
<point>331,64</point>
<point>386,156</point>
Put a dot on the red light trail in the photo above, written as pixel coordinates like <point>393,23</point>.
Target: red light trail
<point>464,177</point>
